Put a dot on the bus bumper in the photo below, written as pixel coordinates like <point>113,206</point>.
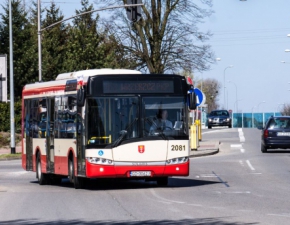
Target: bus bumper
<point>111,171</point>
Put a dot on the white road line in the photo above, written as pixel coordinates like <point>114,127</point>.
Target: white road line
<point>241,135</point>
<point>236,146</point>
<point>284,215</point>
<point>242,150</point>
<point>250,165</point>
<point>164,199</point>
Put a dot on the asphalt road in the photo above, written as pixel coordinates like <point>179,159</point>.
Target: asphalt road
<point>239,185</point>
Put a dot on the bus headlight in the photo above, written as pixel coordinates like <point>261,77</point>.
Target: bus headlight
<point>100,161</point>
<point>177,160</point>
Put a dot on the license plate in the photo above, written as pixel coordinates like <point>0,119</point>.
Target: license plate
<point>140,174</point>
<point>283,134</point>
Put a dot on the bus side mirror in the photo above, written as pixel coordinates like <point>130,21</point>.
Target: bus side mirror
<point>81,97</point>
<point>192,100</point>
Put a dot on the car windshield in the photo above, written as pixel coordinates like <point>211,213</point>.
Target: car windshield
<point>279,123</point>
<point>219,113</point>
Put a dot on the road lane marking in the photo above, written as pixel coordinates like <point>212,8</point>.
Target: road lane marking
<point>236,146</point>
<point>283,215</point>
<point>164,199</point>
<point>242,150</point>
<point>241,135</point>
<point>250,165</point>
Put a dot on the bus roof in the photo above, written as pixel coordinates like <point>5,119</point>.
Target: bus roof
<point>93,72</point>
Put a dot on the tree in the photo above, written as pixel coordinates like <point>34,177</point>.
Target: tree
<point>285,110</point>
<point>210,88</point>
<point>21,43</point>
<point>54,40</point>
<point>166,38</point>
<point>90,46</point>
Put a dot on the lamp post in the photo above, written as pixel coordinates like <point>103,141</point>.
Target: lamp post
<point>236,94</point>
<point>225,84</point>
<point>260,104</point>
<point>12,119</point>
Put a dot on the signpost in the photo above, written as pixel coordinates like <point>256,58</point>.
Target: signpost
<point>200,97</point>
<point>3,78</point>
<point>134,12</point>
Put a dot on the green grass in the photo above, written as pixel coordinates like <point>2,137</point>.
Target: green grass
<point>10,156</point>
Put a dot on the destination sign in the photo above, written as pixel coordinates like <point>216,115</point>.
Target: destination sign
<point>138,86</point>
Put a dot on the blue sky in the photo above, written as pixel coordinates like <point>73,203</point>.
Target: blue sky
<point>252,36</point>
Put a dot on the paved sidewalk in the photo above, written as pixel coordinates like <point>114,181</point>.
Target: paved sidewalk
<point>206,147</point>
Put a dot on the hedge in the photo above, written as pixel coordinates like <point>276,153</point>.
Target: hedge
<point>5,116</point>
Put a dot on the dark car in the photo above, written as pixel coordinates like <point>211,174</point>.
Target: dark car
<point>276,133</point>
<point>219,118</point>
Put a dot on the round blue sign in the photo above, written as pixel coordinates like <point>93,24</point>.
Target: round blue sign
<point>199,97</point>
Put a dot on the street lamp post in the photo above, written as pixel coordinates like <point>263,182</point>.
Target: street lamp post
<point>225,84</point>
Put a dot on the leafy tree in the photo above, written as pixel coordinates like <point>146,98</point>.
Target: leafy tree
<point>210,88</point>
<point>22,42</point>
<point>54,40</point>
<point>166,38</point>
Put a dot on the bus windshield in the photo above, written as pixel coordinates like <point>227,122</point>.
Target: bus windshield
<point>111,120</point>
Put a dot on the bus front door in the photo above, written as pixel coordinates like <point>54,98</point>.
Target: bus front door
<point>50,135</point>
<point>28,126</point>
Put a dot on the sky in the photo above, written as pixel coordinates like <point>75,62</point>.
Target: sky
<point>252,37</point>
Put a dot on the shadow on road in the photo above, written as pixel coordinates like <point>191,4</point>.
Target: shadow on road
<point>113,184</point>
<point>208,221</point>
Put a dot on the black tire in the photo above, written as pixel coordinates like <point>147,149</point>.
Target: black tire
<point>230,126</point>
<point>209,127</point>
<point>263,148</point>
<point>79,182</point>
<point>162,181</point>
<point>42,178</point>
<point>71,170</point>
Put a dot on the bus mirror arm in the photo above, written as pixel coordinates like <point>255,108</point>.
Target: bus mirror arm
<point>192,100</point>
<point>81,97</point>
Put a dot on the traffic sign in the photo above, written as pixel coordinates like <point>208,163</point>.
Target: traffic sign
<point>200,97</point>
<point>134,12</point>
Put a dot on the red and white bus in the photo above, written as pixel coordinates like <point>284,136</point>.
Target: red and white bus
<point>102,123</point>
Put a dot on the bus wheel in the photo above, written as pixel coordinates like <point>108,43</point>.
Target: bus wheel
<point>162,181</point>
<point>71,170</point>
<point>79,182</point>
<point>42,178</point>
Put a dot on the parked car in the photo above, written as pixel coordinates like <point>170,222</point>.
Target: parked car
<point>276,133</point>
<point>219,118</point>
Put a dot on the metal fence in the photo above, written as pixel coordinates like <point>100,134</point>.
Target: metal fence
<point>251,120</point>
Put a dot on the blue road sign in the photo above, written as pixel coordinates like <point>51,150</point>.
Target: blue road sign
<point>199,97</point>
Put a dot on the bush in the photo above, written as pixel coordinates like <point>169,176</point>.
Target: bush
<point>5,116</point>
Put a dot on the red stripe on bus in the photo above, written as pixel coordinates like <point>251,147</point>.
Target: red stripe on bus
<point>105,171</point>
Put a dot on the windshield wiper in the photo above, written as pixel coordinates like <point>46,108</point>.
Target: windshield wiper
<point>123,134</point>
